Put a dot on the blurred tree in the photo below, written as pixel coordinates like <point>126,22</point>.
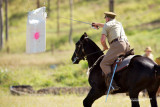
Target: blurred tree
<point>111,5</point>
<point>58,17</point>
<point>6,23</point>
<point>70,34</point>
<point>6,19</point>
<point>38,3</point>
<point>1,26</point>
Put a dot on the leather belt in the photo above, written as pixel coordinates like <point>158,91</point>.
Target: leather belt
<point>114,40</point>
<point>117,39</point>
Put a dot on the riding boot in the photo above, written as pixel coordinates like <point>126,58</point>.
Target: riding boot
<point>114,86</point>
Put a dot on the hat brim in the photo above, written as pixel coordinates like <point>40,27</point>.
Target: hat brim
<point>147,50</point>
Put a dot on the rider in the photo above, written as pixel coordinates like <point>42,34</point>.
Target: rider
<point>118,42</point>
<point>148,53</point>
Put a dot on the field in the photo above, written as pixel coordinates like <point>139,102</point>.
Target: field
<point>141,21</point>
<point>68,101</point>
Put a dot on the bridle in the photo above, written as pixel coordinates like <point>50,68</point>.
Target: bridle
<point>84,56</point>
<point>76,53</point>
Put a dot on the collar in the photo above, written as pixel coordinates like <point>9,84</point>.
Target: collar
<point>112,20</point>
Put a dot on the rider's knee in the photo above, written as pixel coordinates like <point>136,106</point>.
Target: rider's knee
<point>102,65</point>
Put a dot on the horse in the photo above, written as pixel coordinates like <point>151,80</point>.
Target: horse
<point>142,73</point>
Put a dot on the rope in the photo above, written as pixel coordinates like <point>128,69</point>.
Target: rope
<point>93,53</point>
<point>112,78</point>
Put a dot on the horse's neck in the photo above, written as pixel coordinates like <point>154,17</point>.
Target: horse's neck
<point>93,48</point>
<point>93,58</point>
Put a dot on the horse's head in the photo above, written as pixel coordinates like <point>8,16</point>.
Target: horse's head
<point>79,52</point>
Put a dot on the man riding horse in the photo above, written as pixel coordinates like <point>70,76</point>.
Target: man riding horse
<point>141,72</point>
<point>114,32</point>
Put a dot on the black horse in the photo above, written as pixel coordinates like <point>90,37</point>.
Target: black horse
<point>142,73</point>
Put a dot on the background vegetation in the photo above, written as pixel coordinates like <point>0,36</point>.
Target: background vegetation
<point>140,18</point>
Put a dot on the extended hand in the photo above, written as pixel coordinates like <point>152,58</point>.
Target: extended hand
<point>95,25</point>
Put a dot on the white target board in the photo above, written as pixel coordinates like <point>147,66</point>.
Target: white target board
<point>36,31</point>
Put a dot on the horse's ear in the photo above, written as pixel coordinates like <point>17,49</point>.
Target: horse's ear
<point>84,36</point>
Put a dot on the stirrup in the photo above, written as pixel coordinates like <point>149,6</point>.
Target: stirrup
<point>112,90</point>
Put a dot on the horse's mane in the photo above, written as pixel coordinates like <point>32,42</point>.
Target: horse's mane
<point>93,44</point>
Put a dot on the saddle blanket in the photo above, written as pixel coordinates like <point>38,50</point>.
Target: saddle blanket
<point>123,64</point>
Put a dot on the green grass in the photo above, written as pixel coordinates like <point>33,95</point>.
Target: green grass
<point>68,101</point>
<point>37,70</point>
<point>146,38</point>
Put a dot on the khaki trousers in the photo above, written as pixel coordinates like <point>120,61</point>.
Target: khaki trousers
<point>116,49</point>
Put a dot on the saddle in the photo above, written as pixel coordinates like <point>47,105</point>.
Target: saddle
<point>124,61</point>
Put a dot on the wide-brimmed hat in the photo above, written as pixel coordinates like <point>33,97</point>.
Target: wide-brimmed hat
<point>110,14</point>
<point>148,49</point>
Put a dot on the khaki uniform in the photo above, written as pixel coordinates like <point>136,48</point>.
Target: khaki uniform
<point>148,49</point>
<point>113,30</point>
<point>150,56</point>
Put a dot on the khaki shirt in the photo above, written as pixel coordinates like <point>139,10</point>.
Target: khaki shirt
<point>150,56</point>
<point>113,29</point>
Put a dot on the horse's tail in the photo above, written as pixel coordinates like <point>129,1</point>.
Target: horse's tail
<point>157,70</point>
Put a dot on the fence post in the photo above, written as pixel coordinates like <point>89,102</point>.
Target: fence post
<point>1,26</point>
<point>111,5</point>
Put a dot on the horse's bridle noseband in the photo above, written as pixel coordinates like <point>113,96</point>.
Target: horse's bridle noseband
<point>79,47</point>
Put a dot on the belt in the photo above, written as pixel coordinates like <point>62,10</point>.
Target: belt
<point>114,40</point>
<point>117,39</point>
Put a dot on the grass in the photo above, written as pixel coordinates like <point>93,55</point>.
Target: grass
<point>42,70</point>
<point>68,101</point>
<point>36,69</point>
<point>55,68</point>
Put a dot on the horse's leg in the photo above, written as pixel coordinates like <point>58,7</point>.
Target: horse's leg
<point>152,96</point>
<point>152,90</point>
<point>153,100</point>
<point>134,98</point>
<point>92,96</point>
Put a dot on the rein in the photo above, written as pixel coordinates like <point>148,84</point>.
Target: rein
<point>95,63</point>
<point>93,53</point>
<point>90,53</point>
<point>86,55</point>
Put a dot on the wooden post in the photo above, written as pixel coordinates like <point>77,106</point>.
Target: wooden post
<point>1,26</point>
<point>6,23</point>
<point>111,5</point>
<point>6,19</point>
<point>58,18</point>
<point>38,3</point>
<point>70,34</point>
